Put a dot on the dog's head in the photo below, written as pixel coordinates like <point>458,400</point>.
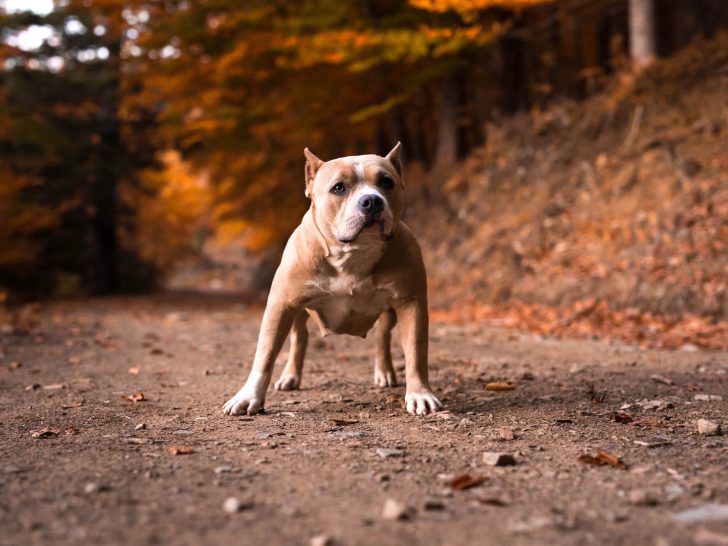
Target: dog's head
<point>357,196</point>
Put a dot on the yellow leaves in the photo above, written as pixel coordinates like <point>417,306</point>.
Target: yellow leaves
<point>466,6</point>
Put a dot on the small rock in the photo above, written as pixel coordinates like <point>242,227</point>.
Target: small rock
<point>32,387</point>
<point>432,503</point>
<point>223,469</point>
<point>707,512</point>
<point>394,510</point>
<point>708,398</point>
<point>233,505</point>
<point>493,458</point>
<point>386,453</point>
<point>183,432</point>
<point>94,487</point>
<point>141,426</point>
<point>643,497</point>
<point>12,470</point>
<point>321,540</point>
<point>708,428</point>
<point>464,422</point>
<point>506,433</point>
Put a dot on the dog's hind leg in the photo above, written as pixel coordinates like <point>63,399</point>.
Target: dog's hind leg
<point>384,374</point>
<point>290,378</point>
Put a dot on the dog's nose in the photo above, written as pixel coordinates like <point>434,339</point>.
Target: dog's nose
<point>371,204</point>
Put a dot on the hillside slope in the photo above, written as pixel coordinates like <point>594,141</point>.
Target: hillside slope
<point>604,217</point>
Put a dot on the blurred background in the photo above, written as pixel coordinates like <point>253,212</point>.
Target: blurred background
<point>566,160</point>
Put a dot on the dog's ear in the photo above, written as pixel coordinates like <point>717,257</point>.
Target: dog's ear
<point>313,164</point>
<point>393,157</point>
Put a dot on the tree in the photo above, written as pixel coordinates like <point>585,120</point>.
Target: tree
<point>642,41</point>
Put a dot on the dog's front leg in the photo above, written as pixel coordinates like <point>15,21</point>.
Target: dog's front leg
<point>413,325</point>
<point>277,321</point>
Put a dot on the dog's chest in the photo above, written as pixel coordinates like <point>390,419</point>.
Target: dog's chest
<point>349,302</point>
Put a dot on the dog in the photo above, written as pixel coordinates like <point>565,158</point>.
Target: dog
<point>351,263</point>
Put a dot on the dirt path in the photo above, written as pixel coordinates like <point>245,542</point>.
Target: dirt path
<point>310,466</point>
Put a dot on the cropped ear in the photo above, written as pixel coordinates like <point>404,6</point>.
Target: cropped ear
<point>313,164</point>
<point>393,157</point>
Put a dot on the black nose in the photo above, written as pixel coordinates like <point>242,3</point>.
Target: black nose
<point>371,204</point>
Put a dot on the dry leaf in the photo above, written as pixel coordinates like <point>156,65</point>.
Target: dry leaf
<point>620,417</point>
<point>46,432</point>
<point>156,351</point>
<point>73,360</point>
<point>74,405</point>
<point>491,501</point>
<point>137,397</point>
<point>54,386</point>
<point>466,481</point>
<point>71,431</point>
<point>602,458</point>
<point>15,365</point>
<point>343,422</point>
<point>499,386</point>
<point>662,379</point>
<point>647,422</point>
<point>181,450</point>
<point>134,371</point>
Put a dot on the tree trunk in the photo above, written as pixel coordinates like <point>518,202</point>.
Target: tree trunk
<point>642,43</point>
<point>447,127</point>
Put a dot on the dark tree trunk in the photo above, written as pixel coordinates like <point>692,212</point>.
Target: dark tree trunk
<point>447,127</point>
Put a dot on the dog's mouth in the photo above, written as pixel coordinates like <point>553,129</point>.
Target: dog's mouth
<point>354,226</point>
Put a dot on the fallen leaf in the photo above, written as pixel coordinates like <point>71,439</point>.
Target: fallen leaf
<point>73,360</point>
<point>15,365</point>
<point>71,431</point>
<point>74,405</point>
<point>620,417</point>
<point>602,458</point>
<point>181,450</point>
<point>137,397</point>
<point>499,386</point>
<point>156,351</point>
<point>133,371</point>
<point>344,422</point>
<point>692,387</point>
<point>46,432</point>
<point>491,501</point>
<point>662,379</point>
<point>54,386</point>
<point>466,481</point>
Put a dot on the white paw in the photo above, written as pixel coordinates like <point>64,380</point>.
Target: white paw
<point>421,403</point>
<point>249,399</point>
<point>385,379</point>
<point>288,382</point>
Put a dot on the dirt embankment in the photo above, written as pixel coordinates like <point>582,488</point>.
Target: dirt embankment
<point>607,216</point>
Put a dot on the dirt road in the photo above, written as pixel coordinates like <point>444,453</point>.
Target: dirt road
<point>325,460</point>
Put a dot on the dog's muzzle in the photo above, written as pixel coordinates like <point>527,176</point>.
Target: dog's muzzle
<point>371,206</point>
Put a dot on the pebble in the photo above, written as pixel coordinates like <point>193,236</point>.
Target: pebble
<point>707,428</point>
<point>707,512</point>
<point>708,398</point>
<point>233,505</point>
<point>223,469</point>
<point>432,503</point>
<point>92,487</point>
<point>141,426</point>
<point>12,470</point>
<point>493,458</point>
<point>394,510</point>
<point>321,540</point>
<point>643,497</point>
<point>506,433</point>
<point>386,453</point>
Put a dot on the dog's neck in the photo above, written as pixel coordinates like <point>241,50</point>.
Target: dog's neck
<point>358,258</point>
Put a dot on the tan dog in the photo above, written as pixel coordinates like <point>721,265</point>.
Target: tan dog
<point>350,263</point>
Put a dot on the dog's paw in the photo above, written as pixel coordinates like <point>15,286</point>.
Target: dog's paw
<point>250,398</point>
<point>244,402</point>
<point>385,379</point>
<point>288,382</point>
<point>421,403</point>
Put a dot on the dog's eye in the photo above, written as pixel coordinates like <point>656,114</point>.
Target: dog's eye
<point>386,183</point>
<point>338,188</point>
